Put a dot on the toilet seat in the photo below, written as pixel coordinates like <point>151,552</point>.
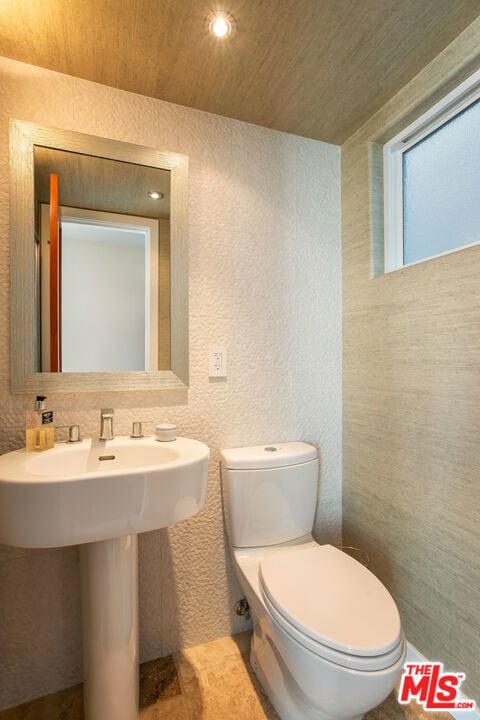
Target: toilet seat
<point>333,606</point>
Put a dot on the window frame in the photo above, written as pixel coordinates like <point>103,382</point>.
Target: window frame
<point>442,112</point>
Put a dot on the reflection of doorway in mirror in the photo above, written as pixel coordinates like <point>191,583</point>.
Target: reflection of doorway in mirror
<point>109,298</point>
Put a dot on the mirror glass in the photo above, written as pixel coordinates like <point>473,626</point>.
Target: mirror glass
<point>109,301</point>
<point>99,263</point>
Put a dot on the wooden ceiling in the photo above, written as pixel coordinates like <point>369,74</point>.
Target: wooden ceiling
<point>317,68</point>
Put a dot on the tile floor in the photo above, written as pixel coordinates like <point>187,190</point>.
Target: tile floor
<point>208,682</point>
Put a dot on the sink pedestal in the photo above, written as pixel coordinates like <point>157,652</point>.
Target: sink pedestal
<point>109,581</point>
<point>84,494</point>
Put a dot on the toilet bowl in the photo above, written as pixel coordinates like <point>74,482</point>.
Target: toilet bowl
<point>327,641</point>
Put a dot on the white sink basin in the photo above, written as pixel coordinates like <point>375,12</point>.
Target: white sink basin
<point>95,490</point>
<point>99,495</point>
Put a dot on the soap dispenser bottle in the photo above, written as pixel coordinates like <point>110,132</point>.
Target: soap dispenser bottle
<point>39,431</point>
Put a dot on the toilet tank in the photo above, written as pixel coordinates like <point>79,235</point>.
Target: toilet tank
<point>269,492</point>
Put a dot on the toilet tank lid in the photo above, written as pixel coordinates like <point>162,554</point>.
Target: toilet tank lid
<point>273,455</point>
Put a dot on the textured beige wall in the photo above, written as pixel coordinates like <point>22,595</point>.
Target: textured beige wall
<point>411,353</point>
<point>265,282</point>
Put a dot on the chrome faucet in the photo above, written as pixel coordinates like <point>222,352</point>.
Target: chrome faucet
<point>106,424</point>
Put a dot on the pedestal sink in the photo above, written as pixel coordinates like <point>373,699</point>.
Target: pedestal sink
<point>99,495</point>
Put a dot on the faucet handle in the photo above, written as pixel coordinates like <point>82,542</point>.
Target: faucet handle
<point>73,432</point>
<point>137,429</point>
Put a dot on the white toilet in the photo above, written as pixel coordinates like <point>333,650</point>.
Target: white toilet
<point>327,641</point>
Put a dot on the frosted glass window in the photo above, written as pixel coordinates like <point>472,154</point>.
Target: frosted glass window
<point>441,188</point>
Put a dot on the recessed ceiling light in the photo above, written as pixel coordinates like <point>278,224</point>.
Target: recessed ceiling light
<point>155,195</point>
<point>220,24</point>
